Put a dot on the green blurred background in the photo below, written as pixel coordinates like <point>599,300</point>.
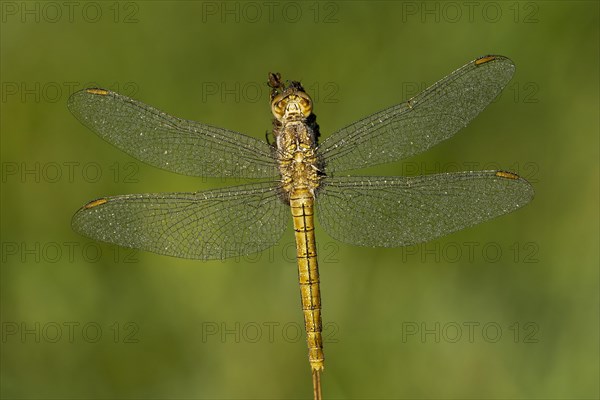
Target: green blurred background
<point>508,309</point>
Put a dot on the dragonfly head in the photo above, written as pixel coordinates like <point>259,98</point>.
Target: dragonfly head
<point>292,104</point>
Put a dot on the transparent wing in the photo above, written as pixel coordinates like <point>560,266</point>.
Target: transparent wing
<point>420,123</point>
<point>174,144</point>
<point>215,224</point>
<point>401,211</point>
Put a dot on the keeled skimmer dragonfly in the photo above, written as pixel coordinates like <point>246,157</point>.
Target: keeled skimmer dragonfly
<point>301,175</point>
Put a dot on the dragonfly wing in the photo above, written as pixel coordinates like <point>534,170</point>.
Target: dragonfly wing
<point>412,127</point>
<point>215,224</point>
<point>174,144</point>
<point>401,211</point>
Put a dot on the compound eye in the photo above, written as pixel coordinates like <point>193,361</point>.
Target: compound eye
<point>278,106</point>
<point>305,104</point>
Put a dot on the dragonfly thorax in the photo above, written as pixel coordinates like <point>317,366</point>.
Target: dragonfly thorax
<point>295,140</point>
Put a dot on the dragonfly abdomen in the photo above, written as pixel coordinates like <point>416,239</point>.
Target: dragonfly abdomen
<point>302,206</point>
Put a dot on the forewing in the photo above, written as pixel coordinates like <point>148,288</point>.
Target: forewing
<point>215,224</point>
<point>401,211</point>
<point>409,128</point>
<point>174,144</point>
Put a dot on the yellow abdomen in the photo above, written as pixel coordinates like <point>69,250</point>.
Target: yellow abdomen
<point>301,203</point>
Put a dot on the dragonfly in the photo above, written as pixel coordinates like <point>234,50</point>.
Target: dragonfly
<point>301,177</point>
